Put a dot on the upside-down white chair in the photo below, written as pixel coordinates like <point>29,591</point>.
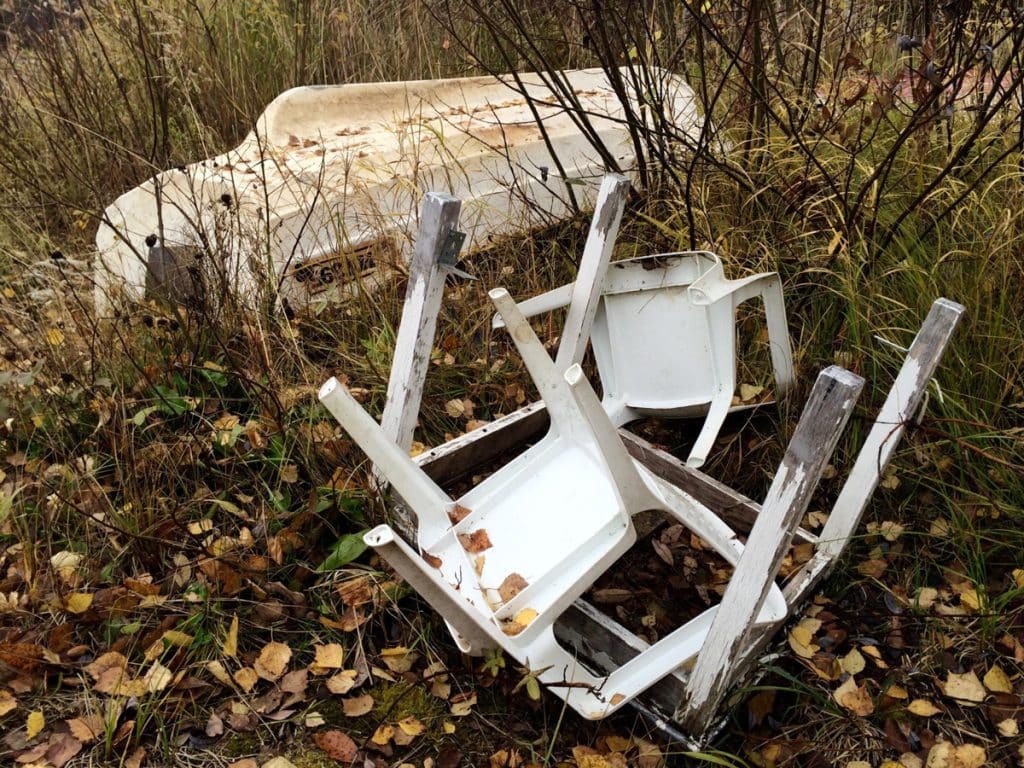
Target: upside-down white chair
<point>664,338</point>
<point>503,561</point>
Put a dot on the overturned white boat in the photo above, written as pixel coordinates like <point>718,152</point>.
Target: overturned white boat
<point>329,183</point>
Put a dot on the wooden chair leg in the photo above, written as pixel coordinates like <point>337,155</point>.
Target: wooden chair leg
<point>807,454</point>
<point>597,252</point>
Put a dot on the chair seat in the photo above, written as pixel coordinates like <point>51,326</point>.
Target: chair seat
<point>538,533</point>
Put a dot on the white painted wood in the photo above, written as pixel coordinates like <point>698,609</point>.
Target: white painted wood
<point>415,339</point>
<point>901,405</point>
<point>597,252</point>
<point>829,406</point>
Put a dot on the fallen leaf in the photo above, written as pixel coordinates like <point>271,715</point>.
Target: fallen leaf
<point>748,392</point>
<point>1008,727</point>
<point>329,656</point>
<point>314,720</point>
<point>337,745</point>
<point>343,682</point>
<point>7,702</point>
<point>86,728</point>
<point>525,616</point>
<point>458,513</point>
<point>219,672</point>
<point>896,692</point>
<point>411,726</point>
<point>273,661</point>
<point>383,734</point>
<point>475,541</point>
<point>157,678</point>
<point>177,639</point>
<point>136,758</point>
<point>432,560</point>
<point>295,681</point>
<point>246,678</point>
<point>922,708</point>
<point>853,662</point>
<point>969,756</point>
<point>279,762</point>
<point>230,646</point>
<point>214,726</point>
<point>34,723</point>
<point>78,602</point>
<point>461,704</point>
<point>966,687</point>
<point>399,659</point>
<point>511,586</point>
<point>997,681</point>
<point>926,597</point>
<point>854,697</point>
<point>801,641</point>
<point>357,706</point>
<point>61,748</point>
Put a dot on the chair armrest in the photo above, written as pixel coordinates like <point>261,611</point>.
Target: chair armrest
<point>538,305</point>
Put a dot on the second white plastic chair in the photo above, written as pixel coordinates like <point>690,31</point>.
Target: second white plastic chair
<point>664,337</point>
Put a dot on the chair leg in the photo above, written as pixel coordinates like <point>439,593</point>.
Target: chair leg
<point>717,412</point>
<point>425,498</point>
<point>635,495</point>
<point>597,252</point>
<point>538,362</point>
<point>778,334</point>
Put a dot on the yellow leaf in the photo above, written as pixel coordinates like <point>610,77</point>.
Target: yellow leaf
<point>525,616</point>
<point>383,734</point>
<point>997,681</point>
<point>896,692</point>
<point>966,687</point>
<point>7,702</point>
<point>246,678</point>
<point>853,662</point>
<point>273,661</point>
<point>926,596</point>
<point>217,669</point>
<point>54,337</point>
<point>78,602</point>
<point>34,723</point>
<point>922,708</point>
<point>1018,577</point>
<point>448,727</point>
<point>398,659</point>
<point>230,647</point>
<point>411,726</point>
<point>329,656</point>
<point>343,682</point>
<point>802,642</point>
<point>177,639</point>
<point>1008,728</point>
<point>748,392</point>
<point>970,756</point>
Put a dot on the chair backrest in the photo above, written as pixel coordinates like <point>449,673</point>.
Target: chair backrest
<point>652,343</point>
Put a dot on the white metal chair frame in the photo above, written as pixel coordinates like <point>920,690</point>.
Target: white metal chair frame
<point>664,337</point>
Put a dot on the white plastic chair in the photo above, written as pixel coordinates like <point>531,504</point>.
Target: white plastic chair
<point>664,337</point>
<point>502,562</point>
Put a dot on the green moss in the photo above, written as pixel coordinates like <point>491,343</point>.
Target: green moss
<point>309,757</point>
<point>398,700</point>
<point>241,745</point>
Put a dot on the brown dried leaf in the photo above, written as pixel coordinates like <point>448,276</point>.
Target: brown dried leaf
<point>854,698</point>
<point>462,703</point>
<point>62,747</point>
<point>337,745</point>
<point>432,560</point>
<point>997,681</point>
<point>86,728</point>
<point>295,682</point>
<point>458,513</point>
<point>246,678</point>
<point>475,541</point>
<point>357,706</point>
<point>512,586</point>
